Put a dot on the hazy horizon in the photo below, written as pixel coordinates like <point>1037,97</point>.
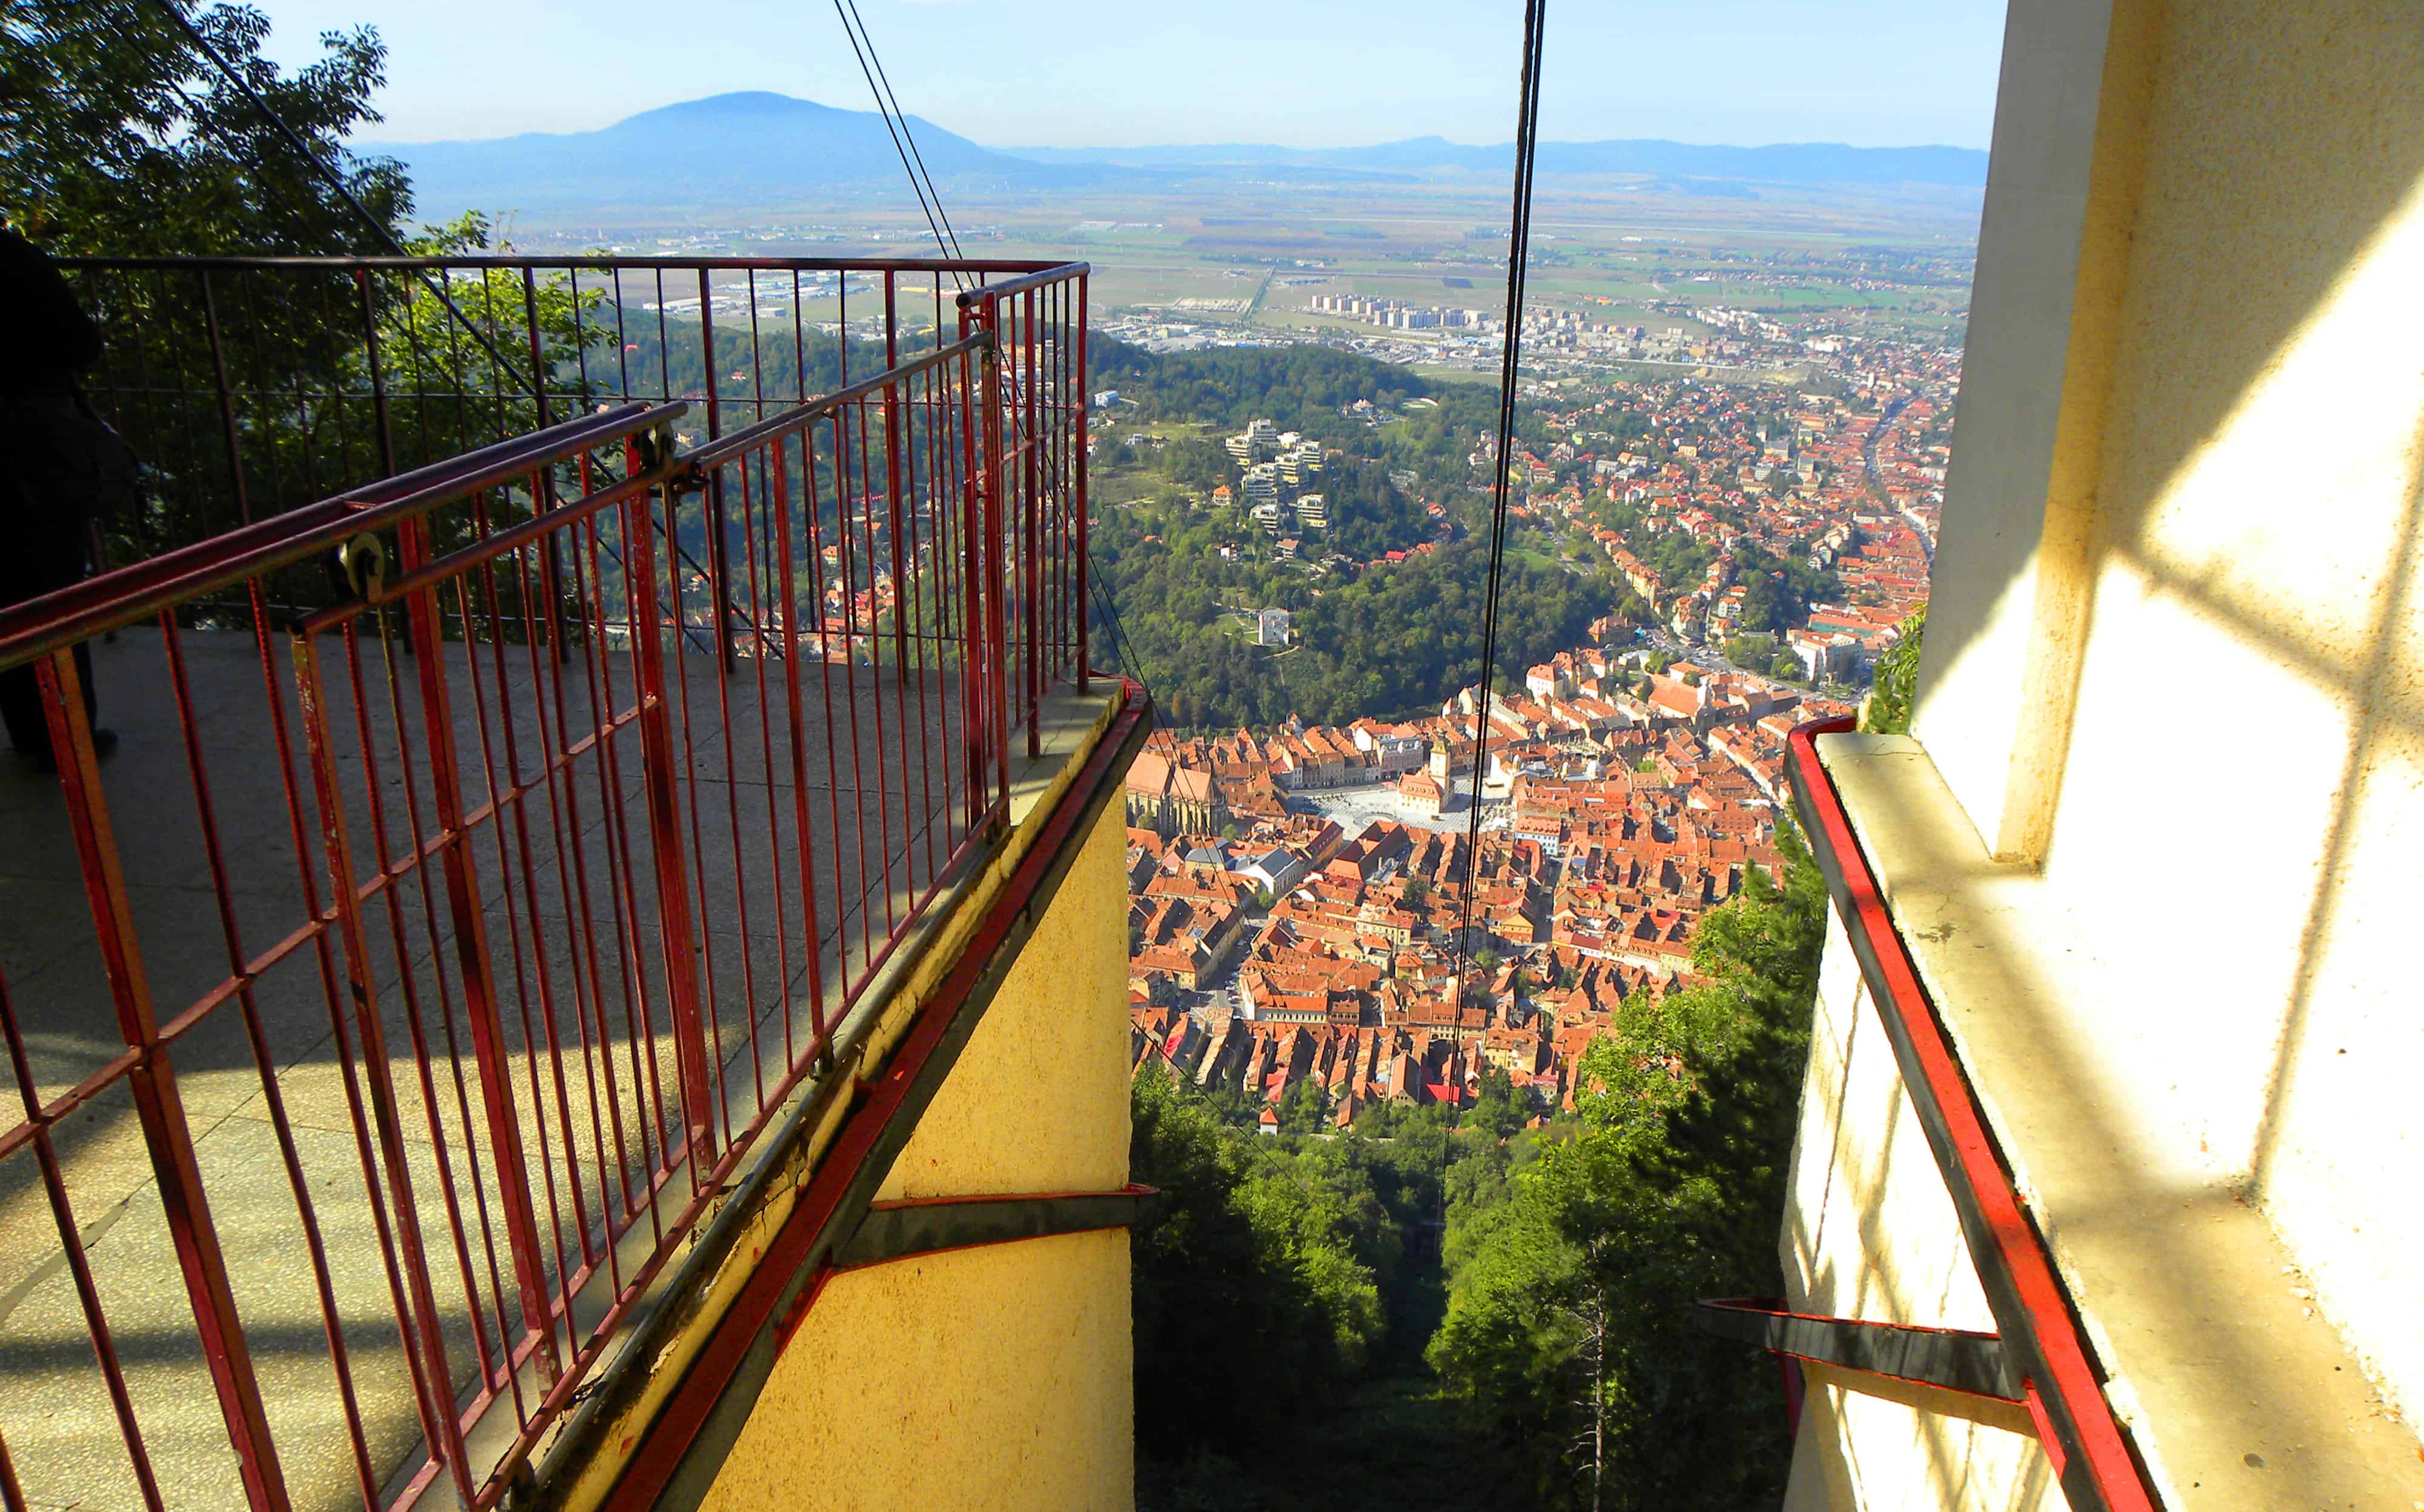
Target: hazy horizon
<point>1098,74</point>
<point>383,138</point>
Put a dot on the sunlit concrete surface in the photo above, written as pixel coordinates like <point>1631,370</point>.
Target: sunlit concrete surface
<point>2162,818</point>
<point>574,885</point>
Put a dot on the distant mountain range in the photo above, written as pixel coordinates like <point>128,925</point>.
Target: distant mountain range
<point>1796,163</point>
<point>759,148</point>
<point>752,147</point>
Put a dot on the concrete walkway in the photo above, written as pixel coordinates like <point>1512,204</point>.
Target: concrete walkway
<point>568,901</point>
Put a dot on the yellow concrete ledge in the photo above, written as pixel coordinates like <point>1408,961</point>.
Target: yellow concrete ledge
<point>579,1463</point>
<point>2239,1395</point>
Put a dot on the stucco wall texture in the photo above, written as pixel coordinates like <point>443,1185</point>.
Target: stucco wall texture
<point>2227,777</point>
<point>998,1376</point>
<point>1870,1232</point>
<point>2175,679</point>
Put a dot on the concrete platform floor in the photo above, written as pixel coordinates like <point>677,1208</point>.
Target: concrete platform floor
<point>563,885</point>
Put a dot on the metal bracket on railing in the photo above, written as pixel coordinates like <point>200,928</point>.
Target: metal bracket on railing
<point>360,565</point>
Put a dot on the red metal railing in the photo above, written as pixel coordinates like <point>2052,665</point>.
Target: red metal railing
<point>578,803</point>
<point>1038,321</point>
<point>2049,1358</point>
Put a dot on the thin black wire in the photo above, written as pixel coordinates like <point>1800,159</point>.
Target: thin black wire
<point>947,238</point>
<point>1121,646</point>
<point>336,181</point>
<point>1518,244</point>
<point>936,222</point>
<point>386,235</point>
<point>906,134</point>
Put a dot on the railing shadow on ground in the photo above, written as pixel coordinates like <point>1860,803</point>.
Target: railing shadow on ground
<point>341,991</point>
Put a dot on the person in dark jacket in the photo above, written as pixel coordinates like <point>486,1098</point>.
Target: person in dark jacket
<point>57,461</point>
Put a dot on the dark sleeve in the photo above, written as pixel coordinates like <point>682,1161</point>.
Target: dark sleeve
<point>45,326</point>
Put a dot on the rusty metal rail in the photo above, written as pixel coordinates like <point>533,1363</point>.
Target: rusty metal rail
<point>520,828</point>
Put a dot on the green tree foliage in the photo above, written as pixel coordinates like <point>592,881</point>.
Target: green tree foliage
<point>1896,681</point>
<point>1680,561</point>
<point>1394,642</point>
<point>123,140</point>
<point>1250,1294</point>
<point>1777,592</point>
<point>1570,1317</point>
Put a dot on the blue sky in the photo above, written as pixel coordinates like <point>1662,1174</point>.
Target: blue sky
<point>1300,72</point>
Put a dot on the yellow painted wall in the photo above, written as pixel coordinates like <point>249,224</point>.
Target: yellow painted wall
<point>994,1377</point>
<point>1870,1232</point>
<point>2175,679</point>
<point>2185,677</point>
<point>1000,1377</point>
<point>1039,1101</point>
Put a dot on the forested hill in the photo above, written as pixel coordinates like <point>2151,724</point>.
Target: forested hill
<point>1391,643</point>
<point>1372,637</point>
<point>1302,388</point>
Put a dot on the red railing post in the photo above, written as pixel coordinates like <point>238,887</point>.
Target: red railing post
<point>472,959</point>
<point>1081,402</point>
<point>994,583</point>
<point>976,716</point>
<point>1031,525</point>
<point>152,1083</point>
<point>719,568</point>
<point>674,924</point>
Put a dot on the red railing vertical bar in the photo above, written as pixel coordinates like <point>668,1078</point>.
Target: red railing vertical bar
<point>1055,519</point>
<point>915,549</point>
<point>229,437</point>
<point>389,888</point>
<point>845,500</point>
<point>563,809</point>
<point>833,753</point>
<point>426,1065</point>
<point>705,993</point>
<point>997,547</point>
<point>1031,479</point>
<point>506,796</point>
<point>943,548</point>
<point>733,813</point>
<point>755,505</point>
<point>675,925</point>
<point>714,1018</point>
<point>1082,561</point>
<point>96,1322</point>
<point>803,841</point>
<point>472,961</point>
<point>365,1148</point>
<point>758,485</point>
<point>896,414</point>
<point>875,669</point>
<point>646,1091</point>
<point>623,903</point>
<point>974,715</point>
<point>152,1083</point>
<point>264,1062</point>
<point>629,950</point>
<point>435,1378</point>
<point>719,568</point>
